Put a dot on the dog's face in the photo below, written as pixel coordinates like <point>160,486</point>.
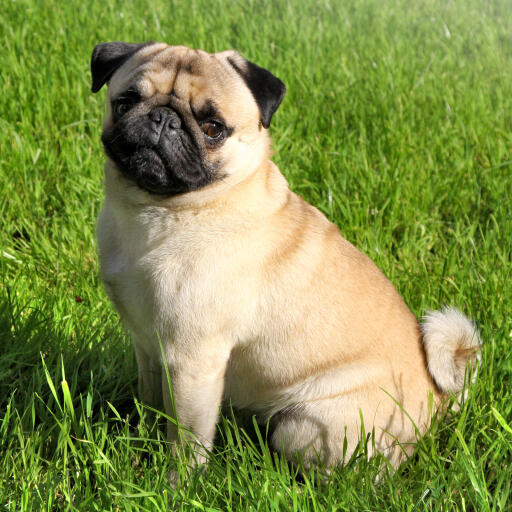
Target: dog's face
<point>179,120</point>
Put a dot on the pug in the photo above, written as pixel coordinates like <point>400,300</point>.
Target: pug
<point>239,290</point>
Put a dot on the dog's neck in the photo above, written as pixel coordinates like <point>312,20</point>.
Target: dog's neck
<point>261,192</point>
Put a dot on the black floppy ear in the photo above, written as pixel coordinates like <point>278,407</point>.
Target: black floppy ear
<point>267,89</point>
<point>107,58</point>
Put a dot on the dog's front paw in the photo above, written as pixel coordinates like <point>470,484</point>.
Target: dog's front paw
<point>181,477</point>
<point>173,479</point>
<point>190,460</point>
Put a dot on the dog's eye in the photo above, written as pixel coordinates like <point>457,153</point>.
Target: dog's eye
<point>212,129</point>
<point>122,106</point>
<point>125,102</point>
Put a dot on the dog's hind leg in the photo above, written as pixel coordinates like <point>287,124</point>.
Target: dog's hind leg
<point>330,430</point>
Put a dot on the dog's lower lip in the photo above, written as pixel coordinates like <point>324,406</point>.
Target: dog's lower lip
<point>158,133</point>
<point>152,188</point>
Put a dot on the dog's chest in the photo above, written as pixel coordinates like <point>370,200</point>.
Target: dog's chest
<point>141,289</point>
<point>147,278</point>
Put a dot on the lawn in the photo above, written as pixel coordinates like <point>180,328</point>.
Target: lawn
<point>397,124</point>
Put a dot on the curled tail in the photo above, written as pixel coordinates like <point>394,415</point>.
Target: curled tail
<point>451,342</point>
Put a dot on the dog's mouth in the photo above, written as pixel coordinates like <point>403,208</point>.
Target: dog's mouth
<point>161,165</point>
<point>148,170</point>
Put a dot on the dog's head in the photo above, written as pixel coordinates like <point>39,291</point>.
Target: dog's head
<point>178,120</point>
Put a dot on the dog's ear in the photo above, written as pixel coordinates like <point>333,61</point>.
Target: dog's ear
<point>267,89</point>
<point>107,58</point>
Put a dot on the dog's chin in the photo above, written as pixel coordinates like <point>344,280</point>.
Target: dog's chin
<point>148,170</point>
<point>151,173</point>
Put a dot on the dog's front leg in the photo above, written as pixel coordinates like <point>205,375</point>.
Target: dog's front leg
<point>194,397</point>
<point>150,377</point>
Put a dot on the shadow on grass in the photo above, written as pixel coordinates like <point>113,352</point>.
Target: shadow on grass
<point>90,354</point>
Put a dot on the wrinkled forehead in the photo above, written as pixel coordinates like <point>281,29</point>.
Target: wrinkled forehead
<point>193,76</point>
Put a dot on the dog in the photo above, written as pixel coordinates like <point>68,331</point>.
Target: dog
<point>239,288</point>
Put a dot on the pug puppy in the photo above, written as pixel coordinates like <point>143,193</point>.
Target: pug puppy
<point>252,294</point>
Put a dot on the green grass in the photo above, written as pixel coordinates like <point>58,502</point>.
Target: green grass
<point>397,124</point>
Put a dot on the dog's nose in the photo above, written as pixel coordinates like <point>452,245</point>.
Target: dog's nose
<point>165,118</point>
